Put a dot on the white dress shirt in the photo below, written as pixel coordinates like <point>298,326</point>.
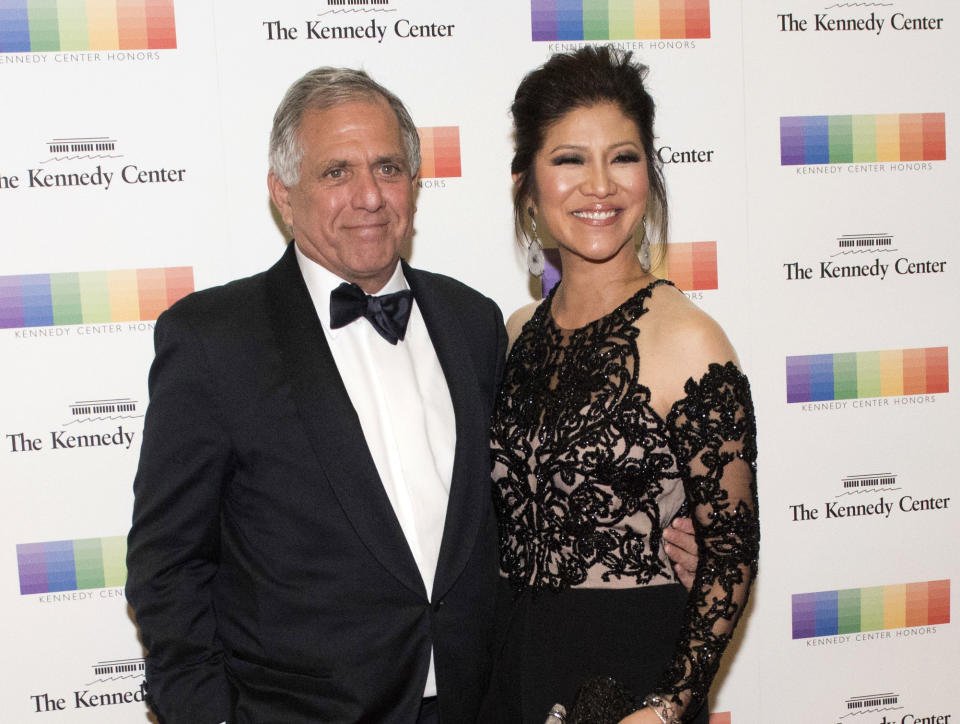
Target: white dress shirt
<point>401,397</point>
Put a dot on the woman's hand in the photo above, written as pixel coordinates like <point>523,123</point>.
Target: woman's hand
<point>644,716</point>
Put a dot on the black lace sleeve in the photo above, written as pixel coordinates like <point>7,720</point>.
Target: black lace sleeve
<point>713,434</point>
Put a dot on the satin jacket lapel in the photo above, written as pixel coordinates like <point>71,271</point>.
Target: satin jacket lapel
<point>466,496</point>
<point>332,423</point>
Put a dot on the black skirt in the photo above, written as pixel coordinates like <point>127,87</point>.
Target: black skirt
<point>550,643</point>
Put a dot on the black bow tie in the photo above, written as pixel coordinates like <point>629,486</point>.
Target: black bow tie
<point>388,313</point>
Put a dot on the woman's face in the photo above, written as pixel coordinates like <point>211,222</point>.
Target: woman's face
<point>590,182</point>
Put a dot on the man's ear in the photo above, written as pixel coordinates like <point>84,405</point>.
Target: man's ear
<point>280,195</point>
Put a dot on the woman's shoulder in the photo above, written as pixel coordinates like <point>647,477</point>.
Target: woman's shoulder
<point>519,318</point>
<point>682,341</point>
<point>679,324</point>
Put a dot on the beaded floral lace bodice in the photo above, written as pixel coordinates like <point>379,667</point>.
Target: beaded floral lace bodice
<point>587,475</point>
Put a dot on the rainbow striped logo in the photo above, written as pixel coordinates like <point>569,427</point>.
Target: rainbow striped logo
<point>852,610</point>
<point>619,19</point>
<point>851,375</point>
<point>72,565</point>
<point>864,138</point>
<point>691,265</point>
<point>50,25</point>
<point>42,300</point>
<point>440,152</point>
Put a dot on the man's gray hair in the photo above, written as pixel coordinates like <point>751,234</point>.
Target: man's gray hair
<point>322,89</point>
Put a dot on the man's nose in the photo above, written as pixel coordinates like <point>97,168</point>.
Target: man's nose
<point>367,194</point>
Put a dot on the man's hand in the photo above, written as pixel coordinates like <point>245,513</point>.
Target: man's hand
<point>681,547</point>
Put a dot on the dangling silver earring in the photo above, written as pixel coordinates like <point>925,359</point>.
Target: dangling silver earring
<point>643,253</point>
<point>535,260</point>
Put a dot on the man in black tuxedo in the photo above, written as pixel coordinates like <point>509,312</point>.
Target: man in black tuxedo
<point>313,537</point>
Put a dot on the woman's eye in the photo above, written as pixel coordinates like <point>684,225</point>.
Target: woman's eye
<point>561,160</point>
<point>627,158</point>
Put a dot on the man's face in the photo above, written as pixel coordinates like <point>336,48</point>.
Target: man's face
<point>353,207</point>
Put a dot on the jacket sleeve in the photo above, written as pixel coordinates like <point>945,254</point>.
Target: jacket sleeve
<point>501,347</point>
<point>173,547</point>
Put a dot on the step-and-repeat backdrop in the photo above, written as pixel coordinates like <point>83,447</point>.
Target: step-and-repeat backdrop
<point>810,153</point>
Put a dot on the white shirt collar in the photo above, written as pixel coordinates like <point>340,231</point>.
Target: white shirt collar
<point>321,281</point>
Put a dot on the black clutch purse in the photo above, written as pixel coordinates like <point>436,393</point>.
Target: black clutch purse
<point>602,700</point>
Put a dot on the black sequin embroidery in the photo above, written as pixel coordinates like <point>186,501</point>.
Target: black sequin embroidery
<point>582,465</point>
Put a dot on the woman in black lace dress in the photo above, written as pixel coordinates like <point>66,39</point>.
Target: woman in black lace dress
<point>621,403</point>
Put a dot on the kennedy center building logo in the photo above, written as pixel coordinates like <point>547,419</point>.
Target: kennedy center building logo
<point>75,433</point>
<point>68,165</point>
<point>871,18</point>
<point>336,24</point>
<point>104,686</point>
<point>873,256</point>
<point>38,300</point>
<point>872,496</point>
<point>619,19</point>
<point>55,25</point>
<point>891,707</point>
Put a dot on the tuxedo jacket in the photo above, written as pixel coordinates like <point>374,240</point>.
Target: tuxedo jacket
<point>267,570</point>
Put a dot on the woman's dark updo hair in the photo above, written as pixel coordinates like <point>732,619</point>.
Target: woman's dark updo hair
<point>587,77</point>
